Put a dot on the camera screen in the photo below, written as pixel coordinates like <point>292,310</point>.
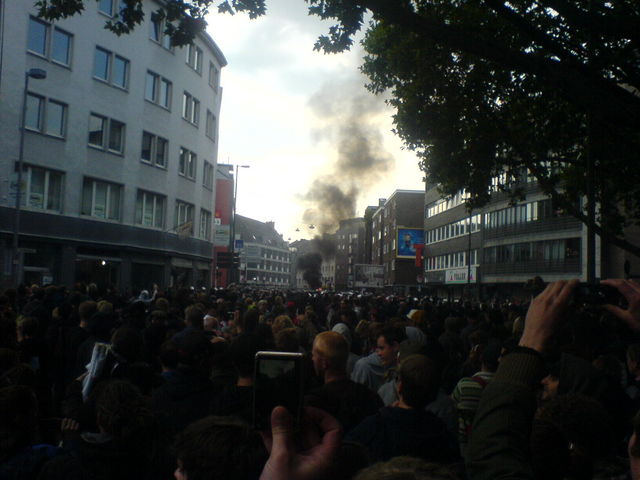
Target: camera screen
<point>277,382</point>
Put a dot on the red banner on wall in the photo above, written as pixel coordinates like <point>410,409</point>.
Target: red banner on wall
<point>419,251</point>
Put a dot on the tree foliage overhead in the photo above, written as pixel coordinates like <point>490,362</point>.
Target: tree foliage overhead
<point>485,89</point>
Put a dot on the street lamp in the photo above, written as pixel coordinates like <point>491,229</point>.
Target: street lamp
<point>232,242</point>
<point>38,74</point>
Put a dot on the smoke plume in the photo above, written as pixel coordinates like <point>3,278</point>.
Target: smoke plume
<point>348,117</point>
<point>310,264</point>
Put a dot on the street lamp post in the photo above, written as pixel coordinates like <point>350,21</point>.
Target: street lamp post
<point>232,240</point>
<point>38,74</point>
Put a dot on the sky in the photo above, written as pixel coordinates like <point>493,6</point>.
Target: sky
<point>318,145</point>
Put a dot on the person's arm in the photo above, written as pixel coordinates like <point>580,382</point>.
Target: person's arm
<point>307,457</point>
<point>498,448</point>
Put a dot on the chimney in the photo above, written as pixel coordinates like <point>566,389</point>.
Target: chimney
<point>381,202</point>
<point>271,224</point>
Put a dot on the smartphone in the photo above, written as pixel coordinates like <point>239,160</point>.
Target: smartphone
<point>278,380</point>
<point>597,294</point>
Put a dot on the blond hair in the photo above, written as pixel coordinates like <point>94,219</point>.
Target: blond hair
<point>333,348</point>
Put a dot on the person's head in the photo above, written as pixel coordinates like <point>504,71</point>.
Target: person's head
<point>405,468</point>
<point>195,351</point>
<point>388,344</point>
<point>158,318</point>
<point>223,448</point>
<point>491,356</point>
<point>105,306</point>
<point>418,381</point>
<point>287,340</point>
<point>27,327</point>
<point>193,316</point>
<point>570,435</point>
<point>329,353</point>
<point>86,310</point>
<point>126,343</point>
<point>122,412</point>
<point>169,356</point>
<point>280,323</point>
<point>243,351</point>
<point>211,323</point>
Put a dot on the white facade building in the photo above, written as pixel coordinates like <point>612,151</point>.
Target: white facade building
<point>119,154</point>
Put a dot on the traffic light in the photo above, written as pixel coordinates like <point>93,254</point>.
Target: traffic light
<point>236,260</point>
<point>223,259</point>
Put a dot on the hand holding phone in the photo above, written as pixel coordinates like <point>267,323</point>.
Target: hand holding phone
<point>277,381</point>
<point>308,459</point>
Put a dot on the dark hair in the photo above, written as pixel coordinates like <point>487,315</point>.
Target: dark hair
<point>570,434</point>
<point>243,350</point>
<point>122,412</point>
<point>420,381</point>
<point>215,448</point>
<point>169,356</point>
<point>405,468</point>
<point>393,334</point>
<point>287,340</point>
<point>126,342</point>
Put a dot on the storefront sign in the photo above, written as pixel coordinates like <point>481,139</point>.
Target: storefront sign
<point>459,275</point>
<point>221,235</point>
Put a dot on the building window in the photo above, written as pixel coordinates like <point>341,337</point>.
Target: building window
<point>184,215</point>
<point>205,224</point>
<point>50,42</point>
<point>194,57</point>
<point>154,150</point>
<point>187,163</point>
<point>210,127</point>
<point>214,75</point>
<point>150,208</point>
<point>157,32</point>
<point>190,108</point>
<point>158,90</point>
<point>207,179</point>
<point>44,189</point>
<point>106,133</point>
<point>45,115</point>
<point>111,68</point>
<point>101,199</point>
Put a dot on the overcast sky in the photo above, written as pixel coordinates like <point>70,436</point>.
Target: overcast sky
<point>289,112</point>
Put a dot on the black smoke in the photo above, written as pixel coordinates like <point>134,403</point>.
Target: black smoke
<point>348,115</point>
<point>310,264</point>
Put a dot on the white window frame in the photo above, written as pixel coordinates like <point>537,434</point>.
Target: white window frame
<point>190,108</point>
<point>157,99</point>
<point>205,224</point>
<point>111,59</point>
<point>106,134</point>
<point>163,39</point>
<point>49,42</point>
<point>153,150</point>
<point>183,214</point>
<point>111,188</point>
<point>194,57</point>
<point>47,186</point>
<point>207,175</point>
<point>210,126</point>
<point>144,197</point>
<point>43,116</point>
<point>214,76</point>
<point>187,167</point>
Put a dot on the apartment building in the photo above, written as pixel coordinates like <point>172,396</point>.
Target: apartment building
<point>120,149</point>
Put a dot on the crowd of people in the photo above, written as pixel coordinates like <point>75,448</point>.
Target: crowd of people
<point>98,385</point>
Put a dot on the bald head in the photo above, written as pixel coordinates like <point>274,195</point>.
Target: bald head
<point>331,351</point>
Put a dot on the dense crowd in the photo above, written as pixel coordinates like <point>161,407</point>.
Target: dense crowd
<point>159,384</point>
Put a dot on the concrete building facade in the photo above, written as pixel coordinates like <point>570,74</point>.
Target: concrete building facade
<point>120,150</point>
<point>265,259</point>
<point>401,212</point>
<point>496,249</point>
